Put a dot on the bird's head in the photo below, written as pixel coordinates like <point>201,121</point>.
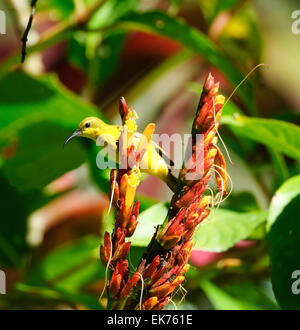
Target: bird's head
<point>90,127</point>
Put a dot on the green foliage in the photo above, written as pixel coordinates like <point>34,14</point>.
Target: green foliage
<point>100,57</point>
<point>38,99</point>
<point>13,227</point>
<point>222,229</point>
<point>24,169</point>
<point>59,296</point>
<point>63,9</point>
<point>276,134</point>
<point>283,238</point>
<point>178,30</point>
<point>212,8</point>
<point>111,12</point>
<point>233,297</point>
<point>153,216</point>
<point>242,202</point>
<point>40,108</point>
<point>69,267</point>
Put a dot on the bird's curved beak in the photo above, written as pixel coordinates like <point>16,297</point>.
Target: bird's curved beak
<point>76,133</point>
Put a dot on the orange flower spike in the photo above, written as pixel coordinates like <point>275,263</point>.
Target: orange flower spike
<point>219,102</point>
<point>211,154</point>
<point>178,280</point>
<point>184,269</point>
<point>202,115</point>
<point>122,251</point>
<point>123,184</point>
<point>162,303</point>
<point>165,277</point>
<point>118,276</point>
<point>158,274</point>
<point>151,269</point>
<point>132,223</point>
<point>173,231</point>
<point>209,83</point>
<point>210,135</point>
<point>115,284</point>
<point>132,184</point>
<point>106,250</point>
<point>130,284</point>
<point>130,126</point>
<point>205,116</point>
<point>123,148</point>
<point>221,175</point>
<point>150,303</point>
<point>119,237</point>
<point>114,186</point>
<point>129,117</point>
<point>166,288</point>
<point>204,202</point>
<point>131,226</point>
<point>130,121</point>
<point>162,290</point>
<point>123,109</point>
<point>214,90</point>
<point>169,240</point>
<point>188,246</point>
<point>196,190</point>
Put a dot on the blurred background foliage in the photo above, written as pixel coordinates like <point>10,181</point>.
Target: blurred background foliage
<point>82,56</point>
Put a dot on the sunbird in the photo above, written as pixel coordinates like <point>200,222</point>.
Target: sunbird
<point>154,161</point>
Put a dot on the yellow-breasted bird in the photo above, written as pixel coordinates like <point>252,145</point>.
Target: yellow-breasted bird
<point>154,161</point>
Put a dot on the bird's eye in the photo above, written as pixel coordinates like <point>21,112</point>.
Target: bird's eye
<point>87,125</point>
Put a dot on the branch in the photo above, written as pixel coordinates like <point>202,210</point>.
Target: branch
<point>24,38</point>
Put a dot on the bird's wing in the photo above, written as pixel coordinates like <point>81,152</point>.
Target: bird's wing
<point>159,150</point>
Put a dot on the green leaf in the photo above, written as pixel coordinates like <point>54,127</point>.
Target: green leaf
<point>99,54</point>
<point>282,171</point>
<point>239,296</point>
<point>100,177</point>
<point>135,255</point>
<point>62,8</point>
<point>153,216</point>
<point>226,5</point>
<point>87,300</point>
<point>279,135</point>
<point>146,202</point>
<point>240,171</point>
<point>12,225</point>
<point>284,238</point>
<point>38,119</point>
<point>242,202</point>
<point>66,266</point>
<point>211,9</point>
<point>38,99</point>
<point>102,61</point>
<point>89,272</point>
<point>178,30</point>
<point>241,37</point>
<point>35,163</point>
<point>224,228</point>
<point>110,12</point>
<point>283,196</point>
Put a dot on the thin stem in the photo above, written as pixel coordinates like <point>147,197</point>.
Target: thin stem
<point>24,38</point>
